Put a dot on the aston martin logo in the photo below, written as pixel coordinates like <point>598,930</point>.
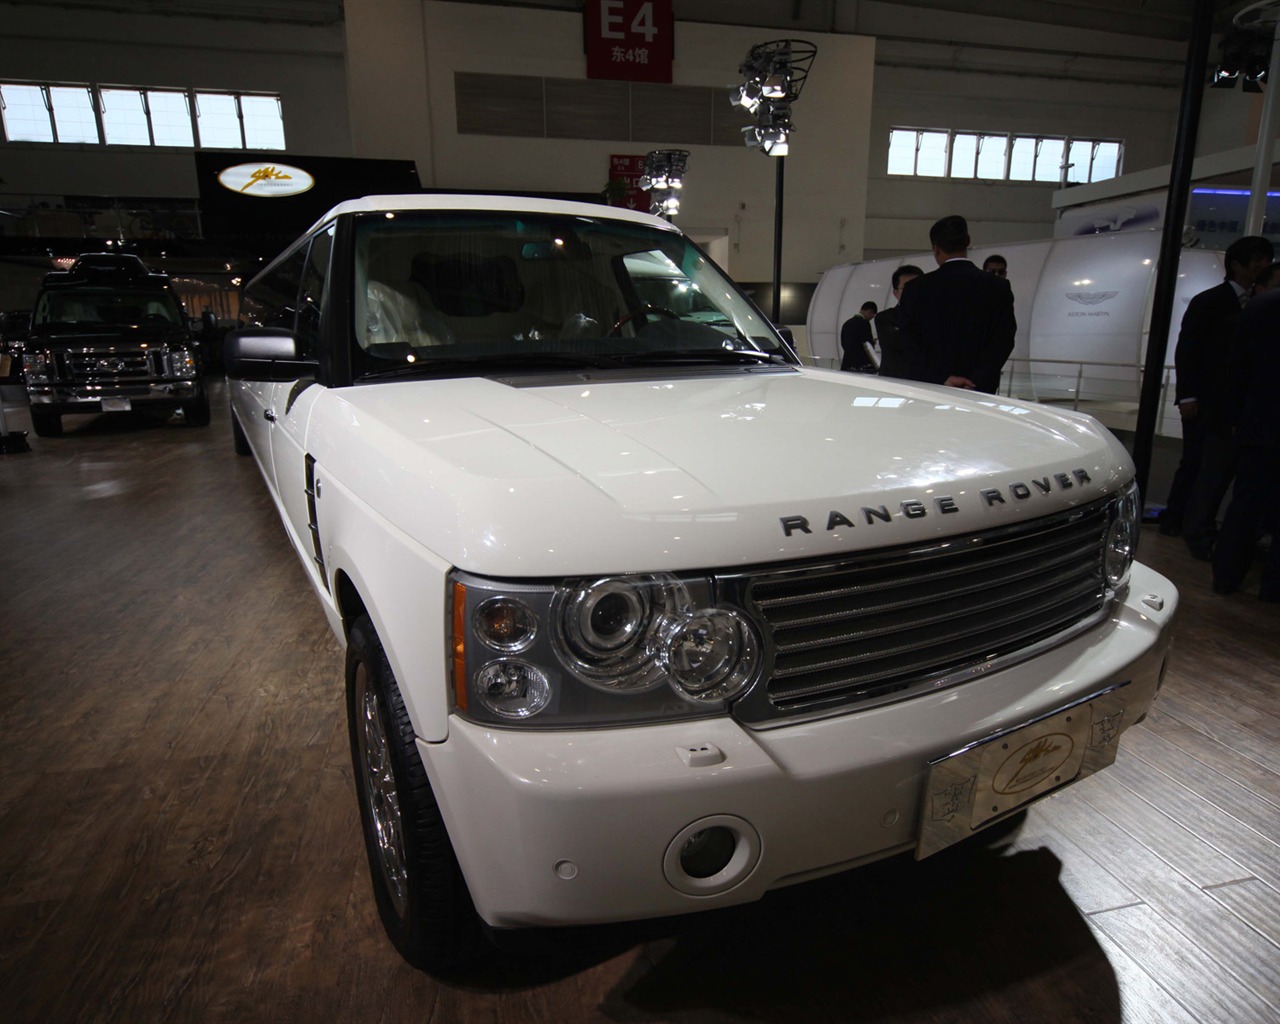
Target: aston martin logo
<point>1091,298</point>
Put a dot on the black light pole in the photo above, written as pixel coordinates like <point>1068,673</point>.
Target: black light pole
<point>777,240</point>
<point>1184,149</point>
<point>773,75</point>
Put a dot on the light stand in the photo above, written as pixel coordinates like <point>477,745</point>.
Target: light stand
<point>663,178</point>
<point>773,75</point>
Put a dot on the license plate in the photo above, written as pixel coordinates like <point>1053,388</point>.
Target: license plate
<point>116,405</point>
<point>978,785</point>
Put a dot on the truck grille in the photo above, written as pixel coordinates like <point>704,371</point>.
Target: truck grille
<point>116,365</point>
<point>876,627</point>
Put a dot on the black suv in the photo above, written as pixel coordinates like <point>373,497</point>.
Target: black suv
<point>109,335</point>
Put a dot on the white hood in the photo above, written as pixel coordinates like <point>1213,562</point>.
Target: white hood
<point>707,471</point>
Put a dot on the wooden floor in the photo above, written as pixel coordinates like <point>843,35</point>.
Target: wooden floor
<point>179,839</point>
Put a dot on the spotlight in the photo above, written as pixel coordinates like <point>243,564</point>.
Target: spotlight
<point>663,176</point>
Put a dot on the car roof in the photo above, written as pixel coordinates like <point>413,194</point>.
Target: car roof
<point>514,204</point>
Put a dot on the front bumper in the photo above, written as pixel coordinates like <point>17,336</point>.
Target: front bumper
<point>88,398</point>
<point>580,827</point>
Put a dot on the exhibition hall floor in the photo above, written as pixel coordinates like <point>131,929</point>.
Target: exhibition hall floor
<point>179,838</point>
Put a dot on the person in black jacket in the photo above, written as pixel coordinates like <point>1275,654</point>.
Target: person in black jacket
<point>893,363</point>
<point>1206,398</point>
<point>956,324</point>
<point>1254,369</point>
<point>857,342</point>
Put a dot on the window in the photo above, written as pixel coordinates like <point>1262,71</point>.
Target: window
<point>26,113</point>
<point>934,153</point>
<point>132,116</point>
<point>170,118</point>
<point>124,119</point>
<point>73,113</point>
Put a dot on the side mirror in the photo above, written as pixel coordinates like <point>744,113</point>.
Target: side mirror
<point>265,354</point>
<point>787,334</point>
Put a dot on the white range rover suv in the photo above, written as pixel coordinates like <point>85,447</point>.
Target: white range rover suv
<point>642,616</point>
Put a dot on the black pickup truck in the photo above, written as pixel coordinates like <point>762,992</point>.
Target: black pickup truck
<point>110,335</point>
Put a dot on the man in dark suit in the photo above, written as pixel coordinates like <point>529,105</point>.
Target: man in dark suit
<point>1206,399</point>
<point>956,324</point>
<point>893,362</point>
<point>856,341</point>
<point>1254,369</point>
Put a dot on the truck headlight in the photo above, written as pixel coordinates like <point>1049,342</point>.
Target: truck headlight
<point>1122,536</point>
<point>612,649</point>
<point>182,362</point>
<point>35,366</point>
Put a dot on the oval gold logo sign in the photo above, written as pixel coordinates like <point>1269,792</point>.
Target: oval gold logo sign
<point>267,181</point>
<point>1032,763</point>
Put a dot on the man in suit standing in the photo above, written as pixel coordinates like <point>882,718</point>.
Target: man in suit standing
<point>856,341</point>
<point>893,361</point>
<point>1255,367</point>
<point>1206,397</point>
<point>956,324</point>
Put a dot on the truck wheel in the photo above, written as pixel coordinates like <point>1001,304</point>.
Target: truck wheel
<point>46,423</point>
<point>196,411</point>
<point>238,439</point>
<point>422,897</point>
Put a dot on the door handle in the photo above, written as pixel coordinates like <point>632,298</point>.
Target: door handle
<point>269,414</point>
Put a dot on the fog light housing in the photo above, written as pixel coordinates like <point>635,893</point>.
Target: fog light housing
<point>708,852</point>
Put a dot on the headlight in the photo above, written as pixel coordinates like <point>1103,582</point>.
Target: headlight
<point>35,366</point>
<point>182,362</point>
<point>1122,536</point>
<point>615,649</point>
<point>610,629</point>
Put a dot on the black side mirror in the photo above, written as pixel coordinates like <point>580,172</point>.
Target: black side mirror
<point>265,353</point>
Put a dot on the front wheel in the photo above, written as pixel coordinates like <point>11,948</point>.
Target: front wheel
<point>422,897</point>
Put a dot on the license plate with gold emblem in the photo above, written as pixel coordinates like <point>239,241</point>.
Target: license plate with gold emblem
<point>982,783</point>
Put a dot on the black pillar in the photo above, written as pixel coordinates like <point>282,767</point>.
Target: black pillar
<point>777,240</point>
<point>1184,151</point>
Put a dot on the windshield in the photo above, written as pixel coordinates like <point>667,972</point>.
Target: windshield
<point>115,306</point>
<point>447,290</point>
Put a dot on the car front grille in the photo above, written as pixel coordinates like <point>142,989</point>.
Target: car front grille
<point>882,626</point>
<point>113,365</point>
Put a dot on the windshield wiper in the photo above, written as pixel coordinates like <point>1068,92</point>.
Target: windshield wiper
<point>499,362</point>
<point>718,356</point>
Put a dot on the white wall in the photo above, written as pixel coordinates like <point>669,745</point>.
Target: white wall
<point>729,191</point>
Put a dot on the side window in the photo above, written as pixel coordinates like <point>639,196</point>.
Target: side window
<point>272,300</point>
<point>315,275</point>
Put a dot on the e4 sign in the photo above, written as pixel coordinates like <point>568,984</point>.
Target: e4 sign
<point>632,40</point>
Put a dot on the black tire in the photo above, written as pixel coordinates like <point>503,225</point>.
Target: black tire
<point>422,897</point>
<point>45,422</point>
<point>196,412</point>
<point>238,439</point>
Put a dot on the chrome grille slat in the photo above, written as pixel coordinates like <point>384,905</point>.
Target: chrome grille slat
<point>864,680</point>
<point>977,586</point>
<point>880,625</point>
<point>786,645</point>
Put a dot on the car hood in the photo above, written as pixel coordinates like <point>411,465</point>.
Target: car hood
<point>600,475</point>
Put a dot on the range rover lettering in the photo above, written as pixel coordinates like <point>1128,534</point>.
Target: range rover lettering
<point>642,616</point>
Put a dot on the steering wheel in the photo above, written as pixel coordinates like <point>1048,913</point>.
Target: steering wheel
<point>628,317</point>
